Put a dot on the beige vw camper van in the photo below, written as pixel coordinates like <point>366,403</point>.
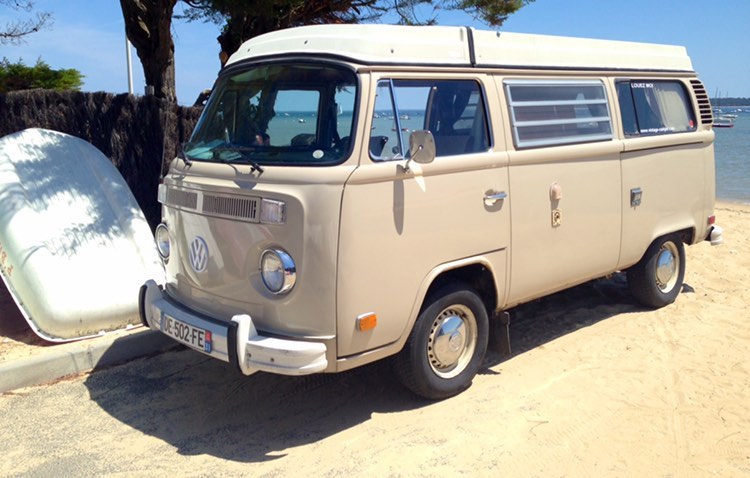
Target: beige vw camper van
<point>356,192</point>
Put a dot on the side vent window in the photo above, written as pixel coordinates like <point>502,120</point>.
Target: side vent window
<point>385,141</point>
<point>704,104</point>
<point>627,109</point>
<point>548,113</point>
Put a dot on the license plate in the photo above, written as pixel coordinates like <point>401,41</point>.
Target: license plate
<point>194,337</point>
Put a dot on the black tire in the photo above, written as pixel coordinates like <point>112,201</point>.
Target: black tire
<point>446,345</point>
<point>657,279</point>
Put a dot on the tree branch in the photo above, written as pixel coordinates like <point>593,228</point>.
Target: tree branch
<point>14,33</point>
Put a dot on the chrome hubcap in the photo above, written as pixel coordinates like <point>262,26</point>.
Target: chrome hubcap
<point>667,265</point>
<point>452,341</point>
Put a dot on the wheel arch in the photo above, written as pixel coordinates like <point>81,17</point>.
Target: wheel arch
<point>477,272</point>
<point>480,272</point>
<point>686,235</point>
<point>478,276</point>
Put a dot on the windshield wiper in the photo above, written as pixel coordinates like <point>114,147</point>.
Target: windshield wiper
<point>242,151</point>
<point>181,155</point>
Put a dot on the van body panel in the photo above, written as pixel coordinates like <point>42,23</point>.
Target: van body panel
<point>672,180</point>
<point>495,261</point>
<point>546,257</point>
<point>231,282</point>
<point>395,229</point>
<point>709,174</point>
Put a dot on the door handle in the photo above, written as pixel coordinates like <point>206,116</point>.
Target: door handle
<point>492,198</point>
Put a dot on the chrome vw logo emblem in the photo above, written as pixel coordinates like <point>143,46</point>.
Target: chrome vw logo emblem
<point>198,254</point>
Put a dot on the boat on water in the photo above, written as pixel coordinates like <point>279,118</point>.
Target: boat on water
<point>723,122</point>
<point>720,113</point>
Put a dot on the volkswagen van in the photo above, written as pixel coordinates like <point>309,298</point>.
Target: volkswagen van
<point>357,192</point>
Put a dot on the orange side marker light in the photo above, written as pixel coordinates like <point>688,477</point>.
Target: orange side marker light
<point>367,321</point>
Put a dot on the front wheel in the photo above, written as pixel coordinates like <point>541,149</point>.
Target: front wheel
<point>657,279</point>
<point>446,345</point>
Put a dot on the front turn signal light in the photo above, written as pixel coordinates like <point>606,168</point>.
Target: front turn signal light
<point>367,322</point>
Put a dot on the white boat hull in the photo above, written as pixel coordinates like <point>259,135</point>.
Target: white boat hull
<point>74,244</point>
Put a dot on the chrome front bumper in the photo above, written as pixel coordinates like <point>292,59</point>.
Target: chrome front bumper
<point>238,342</point>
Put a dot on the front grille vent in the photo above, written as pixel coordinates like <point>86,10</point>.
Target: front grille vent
<point>231,206</point>
<point>181,198</point>
<point>704,104</point>
<point>242,208</point>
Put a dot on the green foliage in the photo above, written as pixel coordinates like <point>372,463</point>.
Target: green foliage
<point>719,102</point>
<point>17,76</point>
<point>491,12</point>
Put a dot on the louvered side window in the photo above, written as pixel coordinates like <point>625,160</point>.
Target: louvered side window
<point>549,113</point>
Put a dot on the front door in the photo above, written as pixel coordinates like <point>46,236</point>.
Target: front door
<point>398,224</point>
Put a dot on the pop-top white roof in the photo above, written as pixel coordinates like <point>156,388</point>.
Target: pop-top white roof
<point>461,46</point>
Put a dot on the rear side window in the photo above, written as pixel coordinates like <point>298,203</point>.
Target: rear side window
<point>654,107</point>
<point>548,113</point>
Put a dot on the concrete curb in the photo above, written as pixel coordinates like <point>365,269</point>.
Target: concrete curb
<point>57,361</point>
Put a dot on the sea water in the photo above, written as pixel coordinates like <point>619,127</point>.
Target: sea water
<point>732,153</point>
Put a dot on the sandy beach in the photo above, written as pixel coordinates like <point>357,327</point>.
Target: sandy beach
<point>596,386</point>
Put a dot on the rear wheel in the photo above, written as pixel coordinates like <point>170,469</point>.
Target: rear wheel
<point>446,345</point>
<point>657,279</point>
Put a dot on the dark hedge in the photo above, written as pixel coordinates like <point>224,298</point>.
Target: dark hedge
<point>139,134</point>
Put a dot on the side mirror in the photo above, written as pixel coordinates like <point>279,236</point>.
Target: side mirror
<point>421,148</point>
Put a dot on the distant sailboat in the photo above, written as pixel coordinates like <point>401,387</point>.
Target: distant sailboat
<point>722,120</point>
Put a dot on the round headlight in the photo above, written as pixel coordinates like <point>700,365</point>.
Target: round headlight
<point>162,240</point>
<point>277,270</point>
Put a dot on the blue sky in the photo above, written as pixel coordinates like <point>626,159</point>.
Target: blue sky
<point>89,35</point>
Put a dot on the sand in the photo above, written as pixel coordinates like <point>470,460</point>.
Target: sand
<point>17,340</point>
<point>596,386</point>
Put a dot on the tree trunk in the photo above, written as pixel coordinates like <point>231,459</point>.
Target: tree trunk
<point>238,29</point>
<point>148,27</point>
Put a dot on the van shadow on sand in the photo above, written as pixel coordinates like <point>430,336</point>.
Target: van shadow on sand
<point>544,320</point>
<point>202,406</point>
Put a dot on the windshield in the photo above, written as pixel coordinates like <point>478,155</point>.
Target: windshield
<point>285,114</point>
